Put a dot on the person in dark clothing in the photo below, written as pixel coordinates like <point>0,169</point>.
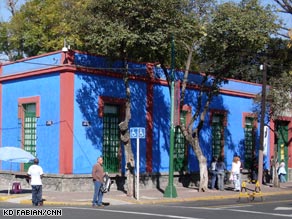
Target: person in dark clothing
<point>97,175</point>
<point>213,172</point>
<point>220,169</point>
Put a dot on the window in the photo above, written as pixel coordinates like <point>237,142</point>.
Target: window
<point>217,124</point>
<point>249,142</point>
<point>111,138</point>
<point>180,152</point>
<point>29,130</point>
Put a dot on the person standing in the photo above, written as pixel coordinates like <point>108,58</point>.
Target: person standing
<point>35,174</point>
<point>235,171</point>
<point>220,169</point>
<point>213,172</point>
<point>97,175</point>
<point>282,172</point>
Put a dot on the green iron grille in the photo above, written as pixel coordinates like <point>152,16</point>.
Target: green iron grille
<point>217,134</point>
<point>29,135</point>
<point>111,143</point>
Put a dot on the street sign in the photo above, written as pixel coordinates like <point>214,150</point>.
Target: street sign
<point>137,132</point>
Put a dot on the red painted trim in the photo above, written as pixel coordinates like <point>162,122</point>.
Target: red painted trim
<point>31,58</point>
<point>149,128</point>
<point>1,117</point>
<point>72,68</point>
<point>253,115</point>
<point>111,100</point>
<point>289,144</point>
<point>21,102</point>
<point>224,113</point>
<point>221,112</point>
<point>149,117</point>
<point>66,127</point>
<point>188,110</point>
<point>272,139</point>
<point>27,100</point>
<point>38,72</point>
<point>67,58</point>
<point>116,101</point>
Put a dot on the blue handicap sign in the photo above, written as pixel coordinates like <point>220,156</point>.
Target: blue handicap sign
<point>137,132</point>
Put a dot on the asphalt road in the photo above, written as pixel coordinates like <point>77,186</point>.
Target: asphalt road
<point>271,207</point>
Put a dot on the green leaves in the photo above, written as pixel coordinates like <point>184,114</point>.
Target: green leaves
<point>237,35</point>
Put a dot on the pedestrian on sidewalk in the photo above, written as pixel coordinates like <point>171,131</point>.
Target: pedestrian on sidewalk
<point>282,172</point>
<point>97,175</point>
<point>35,174</point>
<point>213,172</point>
<point>272,169</point>
<point>220,169</point>
<point>235,171</point>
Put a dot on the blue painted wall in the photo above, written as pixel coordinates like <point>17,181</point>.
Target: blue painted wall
<point>47,87</point>
<point>87,89</point>
<point>36,63</point>
<point>88,140</point>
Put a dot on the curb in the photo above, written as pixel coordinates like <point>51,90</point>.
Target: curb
<point>8,197</point>
<point>141,202</point>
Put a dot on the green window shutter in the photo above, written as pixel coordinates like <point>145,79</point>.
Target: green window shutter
<point>180,151</point>
<point>29,131</point>
<point>249,142</point>
<point>111,139</point>
<point>282,143</point>
<point>217,134</point>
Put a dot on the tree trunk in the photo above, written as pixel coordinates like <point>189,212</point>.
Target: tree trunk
<point>275,169</point>
<point>130,164</point>
<point>125,136</point>
<point>203,187</point>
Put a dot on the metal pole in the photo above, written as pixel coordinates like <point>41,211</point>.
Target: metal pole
<point>170,190</point>
<point>138,167</point>
<point>262,124</point>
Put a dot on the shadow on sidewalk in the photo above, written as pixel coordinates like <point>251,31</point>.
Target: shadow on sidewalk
<point>23,191</point>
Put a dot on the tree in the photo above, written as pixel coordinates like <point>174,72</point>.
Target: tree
<point>234,27</point>
<point>192,38</point>
<point>237,37</point>
<point>119,32</point>
<point>206,39</point>
<point>11,5</point>
<point>5,47</point>
<point>39,27</point>
<point>285,8</point>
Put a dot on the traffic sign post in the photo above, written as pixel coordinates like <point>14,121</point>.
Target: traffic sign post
<point>137,133</point>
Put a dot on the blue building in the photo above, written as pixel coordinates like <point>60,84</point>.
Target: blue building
<point>65,109</point>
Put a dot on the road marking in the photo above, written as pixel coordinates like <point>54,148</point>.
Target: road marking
<point>283,208</point>
<point>259,212</point>
<point>133,212</point>
<point>213,207</point>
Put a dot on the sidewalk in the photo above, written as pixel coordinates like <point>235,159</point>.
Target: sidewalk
<point>146,196</point>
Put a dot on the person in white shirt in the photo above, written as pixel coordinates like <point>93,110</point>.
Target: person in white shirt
<point>35,173</point>
<point>282,172</point>
<point>235,171</point>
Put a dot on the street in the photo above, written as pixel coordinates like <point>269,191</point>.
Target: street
<point>271,207</point>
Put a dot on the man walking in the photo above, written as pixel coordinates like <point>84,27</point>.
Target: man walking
<point>35,173</point>
<point>97,175</point>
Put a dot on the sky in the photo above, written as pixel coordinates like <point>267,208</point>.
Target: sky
<point>4,13</point>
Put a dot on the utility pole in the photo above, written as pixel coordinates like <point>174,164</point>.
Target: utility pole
<point>262,123</point>
<point>170,190</point>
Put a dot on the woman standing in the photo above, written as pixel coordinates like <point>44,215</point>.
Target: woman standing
<point>235,171</point>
